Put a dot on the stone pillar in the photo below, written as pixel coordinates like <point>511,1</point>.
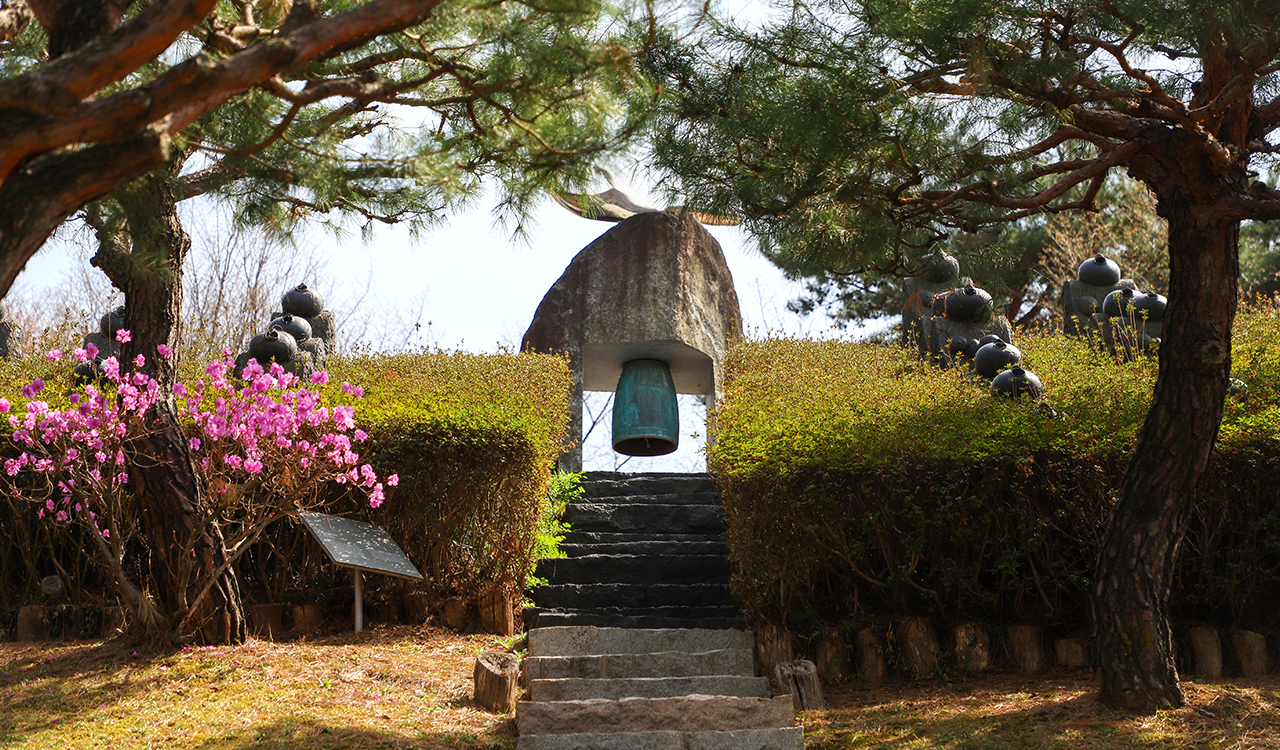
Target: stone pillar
<point>1026,648</point>
<point>871,655</point>
<point>1206,652</point>
<point>918,644</point>
<point>973,647</point>
<point>1072,652</point>
<point>1251,652</point>
<point>831,659</point>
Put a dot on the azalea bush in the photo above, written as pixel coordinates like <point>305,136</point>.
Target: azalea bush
<point>266,446</point>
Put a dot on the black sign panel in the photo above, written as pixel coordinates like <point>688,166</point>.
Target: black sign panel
<point>356,544</point>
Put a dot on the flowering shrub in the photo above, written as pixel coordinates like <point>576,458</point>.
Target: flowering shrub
<point>266,446</point>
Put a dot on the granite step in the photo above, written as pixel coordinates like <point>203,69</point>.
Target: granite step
<point>689,713</point>
<point>725,661</point>
<point>636,517</point>
<point>631,595</point>
<point>713,618</point>
<point>617,688</point>
<point>616,484</point>
<point>594,641</point>
<point>670,569</point>
<point>789,738</point>
<point>710,497</point>
<point>629,544</point>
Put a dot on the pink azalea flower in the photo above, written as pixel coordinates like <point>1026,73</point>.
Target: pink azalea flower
<point>164,350</point>
<point>393,480</point>
<point>54,355</point>
<point>123,336</point>
<point>319,377</point>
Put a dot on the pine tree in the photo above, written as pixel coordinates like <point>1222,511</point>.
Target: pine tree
<point>856,135</point>
<point>334,110</point>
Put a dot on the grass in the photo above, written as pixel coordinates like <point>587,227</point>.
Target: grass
<point>401,687</point>
<point>388,688</point>
<point>1051,711</point>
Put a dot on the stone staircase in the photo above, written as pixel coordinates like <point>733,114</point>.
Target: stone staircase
<point>636,643</point>
<point>644,551</point>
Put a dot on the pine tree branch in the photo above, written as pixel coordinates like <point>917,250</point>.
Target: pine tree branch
<point>39,198</point>
<point>60,86</point>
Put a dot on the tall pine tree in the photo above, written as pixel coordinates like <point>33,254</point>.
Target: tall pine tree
<point>855,135</point>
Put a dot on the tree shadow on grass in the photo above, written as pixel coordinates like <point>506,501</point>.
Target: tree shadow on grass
<point>312,735</point>
<point>1006,712</point>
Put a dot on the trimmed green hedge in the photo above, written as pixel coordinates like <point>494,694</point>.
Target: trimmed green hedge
<point>861,484</point>
<point>473,437</point>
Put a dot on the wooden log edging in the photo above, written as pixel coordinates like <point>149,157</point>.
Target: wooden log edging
<point>914,653</point>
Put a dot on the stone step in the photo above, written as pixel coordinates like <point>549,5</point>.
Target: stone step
<point>579,536</point>
<point>612,483</point>
<point>710,546</point>
<point>594,641</point>
<point>658,498</point>
<point>690,713</point>
<point>726,661</point>
<point>713,618</point>
<point>617,688</point>
<point>670,569</point>
<point>631,595</point>
<point>635,517</point>
<point>789,738</point>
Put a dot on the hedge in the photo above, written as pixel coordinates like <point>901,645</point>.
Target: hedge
<point>862,484</point>
<point>473,438</point>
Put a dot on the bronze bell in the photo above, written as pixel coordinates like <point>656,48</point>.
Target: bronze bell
<point>646,417</point>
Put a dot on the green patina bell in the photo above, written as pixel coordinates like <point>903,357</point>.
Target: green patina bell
<point>646,419</point>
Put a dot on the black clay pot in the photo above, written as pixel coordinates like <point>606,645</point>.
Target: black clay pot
<point>302,302</point>
<point>957,346</point>
<point>296,327</point>
<point>993,358</point>
<point>1149,306</point>
<point>1015,382</point>
<point>111,322</point>
<point>273,346</point>
<point>968,304</point>
<point>1086,305</point>
<point>1099,271</point>
<point>1117,303</point>
<point>990,338</point>
<point>941,268</point>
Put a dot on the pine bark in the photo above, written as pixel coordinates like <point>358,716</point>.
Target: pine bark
<point>186,543</point>
<point>1136,564</point>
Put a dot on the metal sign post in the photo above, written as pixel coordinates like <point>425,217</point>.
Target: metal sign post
<point>360,546</point>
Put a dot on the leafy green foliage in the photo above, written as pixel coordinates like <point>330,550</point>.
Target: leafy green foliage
<point>564,487</point>
<point>861,483</point>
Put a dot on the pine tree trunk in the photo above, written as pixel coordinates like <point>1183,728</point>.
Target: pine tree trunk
<point>186,545</point>
<point>1139,551</point>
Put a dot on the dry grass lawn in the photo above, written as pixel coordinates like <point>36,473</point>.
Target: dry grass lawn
<point>402,687</point>
<point>396,687</point>
<point>1052,711</point>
